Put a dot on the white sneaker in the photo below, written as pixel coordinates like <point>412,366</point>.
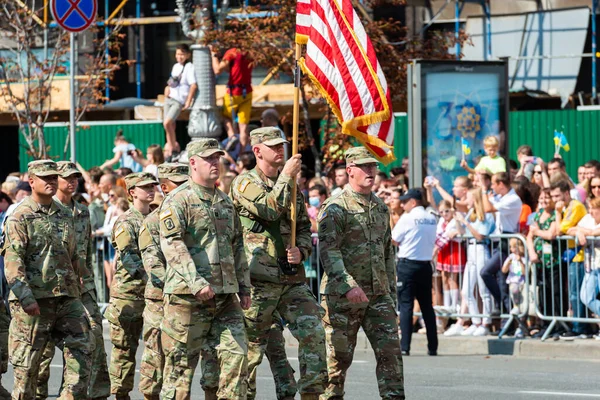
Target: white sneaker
<point>515,311</point>
<point>454,330</point>
<point>469,331</point>
<point>481,330</point>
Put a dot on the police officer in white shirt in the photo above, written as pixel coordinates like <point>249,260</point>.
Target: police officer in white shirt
<point>507,205</point>
<point>415,235</point>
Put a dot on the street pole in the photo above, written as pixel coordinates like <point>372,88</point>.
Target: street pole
<point>72,110</point>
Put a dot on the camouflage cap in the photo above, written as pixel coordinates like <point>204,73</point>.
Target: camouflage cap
<point>42,168</point>
<point>359,155</point>
<point>66,168</point>
<point>140,179</point>
<point>203,147</point>
<point>175,172</point>
<point>268,135</point>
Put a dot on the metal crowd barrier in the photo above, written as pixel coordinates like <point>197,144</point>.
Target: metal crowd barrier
<point>568,273</point>
<point>474,259</point>
<point>545,292</point>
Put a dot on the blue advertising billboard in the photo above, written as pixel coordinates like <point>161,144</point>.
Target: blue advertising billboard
<point>460,104</point>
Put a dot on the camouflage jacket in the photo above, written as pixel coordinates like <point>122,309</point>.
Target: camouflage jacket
<point>266,201</point>
<point>152,256</point>
<point>83,236</point>
<point>355,243</point>
<point>40,253</point>
<point>201,239</point>
<point>129,281</point>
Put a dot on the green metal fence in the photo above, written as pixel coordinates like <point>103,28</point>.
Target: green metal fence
<point>535,128</point>
<point>95,140</point>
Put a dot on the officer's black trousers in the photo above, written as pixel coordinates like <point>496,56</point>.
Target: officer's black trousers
<point>414,281</point>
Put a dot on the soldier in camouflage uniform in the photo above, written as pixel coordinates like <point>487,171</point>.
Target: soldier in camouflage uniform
<point>99,387</point>
<point>4,324</point>
<point>43,273</point>
<point>359,284</point>
<point>201,238</point>
<point>170,176</point>
<point>124,313</point>
<point>263,199</point>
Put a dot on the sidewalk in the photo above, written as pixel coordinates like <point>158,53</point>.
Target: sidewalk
<point>588,349</point>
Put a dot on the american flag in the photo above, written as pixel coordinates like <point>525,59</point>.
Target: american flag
<point>341,62</point>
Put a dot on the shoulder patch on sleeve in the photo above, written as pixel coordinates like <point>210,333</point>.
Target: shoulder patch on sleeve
<point>119,232</point>
<point>145,239</point>
<point>166,213</point>
<point>243,185</point>
<point>122,238</point>
<point>322,216</point>
<point>169,223</point>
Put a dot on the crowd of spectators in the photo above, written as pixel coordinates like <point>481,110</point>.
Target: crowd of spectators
<point>475,273</point>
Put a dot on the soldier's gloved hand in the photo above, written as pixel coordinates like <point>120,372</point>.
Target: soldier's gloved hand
<point>32,309</point>
<point>205,294</point>
<point>245,301</point>
<point>294,256</point>
<point>357,295</point>
<point>292,166</point>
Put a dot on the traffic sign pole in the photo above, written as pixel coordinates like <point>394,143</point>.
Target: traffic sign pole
<point>73,16</point>
<point>72,110</point>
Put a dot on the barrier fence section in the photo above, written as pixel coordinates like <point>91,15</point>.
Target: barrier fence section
<point>566,279</point>
<point>473,285</point>
<point>473,256</point>
<point>559,286</point>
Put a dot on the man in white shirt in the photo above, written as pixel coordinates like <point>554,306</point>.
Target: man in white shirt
<point>507,205</point>
<point>179,95</point>
<point>415,235</point>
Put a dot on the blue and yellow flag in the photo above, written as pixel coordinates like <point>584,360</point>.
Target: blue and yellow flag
<point>560,140</point>
<point>466,149</point>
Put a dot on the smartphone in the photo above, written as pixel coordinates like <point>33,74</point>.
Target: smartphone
<point>429,180</point>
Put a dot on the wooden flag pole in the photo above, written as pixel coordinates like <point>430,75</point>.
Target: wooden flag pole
<point>295,122</point>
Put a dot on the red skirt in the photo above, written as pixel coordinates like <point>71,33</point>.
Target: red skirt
<point>452,258</point>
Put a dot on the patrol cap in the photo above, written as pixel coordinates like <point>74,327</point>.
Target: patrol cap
<point>175,172</point>
<point>359,155</point>
<point>42,168</point>
<point>203,147</point>
<point>268,135</point>
<point>66,168</point>
<point>416,194</point>
<point>139,179</point>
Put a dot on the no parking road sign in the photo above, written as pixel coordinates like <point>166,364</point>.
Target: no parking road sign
<point>74,15</point>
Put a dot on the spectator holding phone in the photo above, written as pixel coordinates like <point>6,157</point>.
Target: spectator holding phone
<point>123,154</point>
<point>527,161</point>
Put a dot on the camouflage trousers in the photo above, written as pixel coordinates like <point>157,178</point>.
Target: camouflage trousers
<point>283,373</point>
<point>63,319</point>
<point>378,319</point>
<point>99,381</point>
<point>187,327</point>
<point>153,358</point>
<point>4,324</point>
<point>126,323</point>
<point>297,305</point>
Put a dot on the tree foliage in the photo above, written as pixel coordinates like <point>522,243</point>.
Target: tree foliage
<point>270,42</point>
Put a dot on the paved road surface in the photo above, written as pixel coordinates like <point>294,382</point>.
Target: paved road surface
<point>443,377</point>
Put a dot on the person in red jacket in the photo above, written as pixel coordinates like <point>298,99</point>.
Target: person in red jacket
<point>237,103</point>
